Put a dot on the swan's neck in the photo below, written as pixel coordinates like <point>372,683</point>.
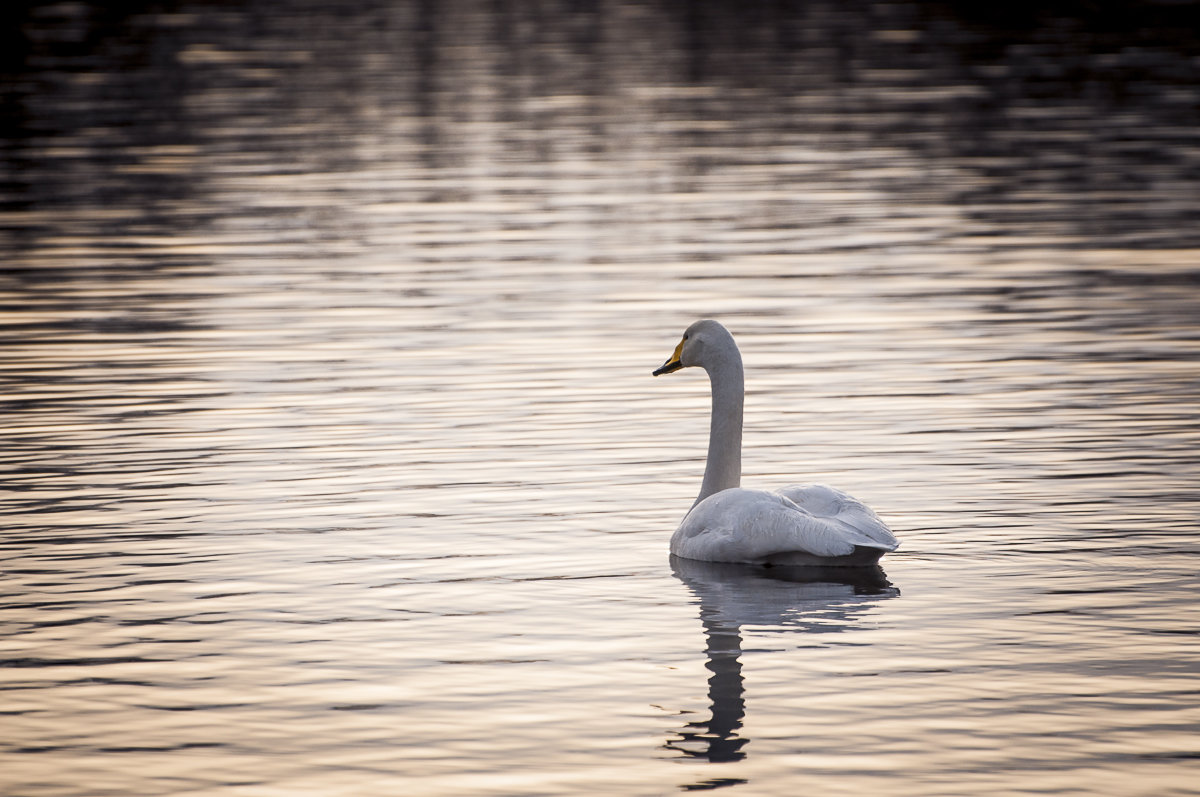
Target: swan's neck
<point>724,467</point>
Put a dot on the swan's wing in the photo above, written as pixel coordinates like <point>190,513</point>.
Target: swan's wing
<point>739,525</point>
<point>861,525</point>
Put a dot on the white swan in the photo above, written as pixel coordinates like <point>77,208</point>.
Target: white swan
<point>807,524</point>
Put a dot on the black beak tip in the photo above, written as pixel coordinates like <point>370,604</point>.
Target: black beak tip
<point>667,368</point>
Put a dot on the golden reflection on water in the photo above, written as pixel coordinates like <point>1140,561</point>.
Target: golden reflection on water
<point>334,465</point>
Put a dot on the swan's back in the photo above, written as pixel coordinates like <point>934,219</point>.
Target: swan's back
<point>800,525</point>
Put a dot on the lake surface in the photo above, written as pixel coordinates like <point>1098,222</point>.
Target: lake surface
<point>333,463</point>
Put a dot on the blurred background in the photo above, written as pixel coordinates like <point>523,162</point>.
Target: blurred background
<point>333,463</point>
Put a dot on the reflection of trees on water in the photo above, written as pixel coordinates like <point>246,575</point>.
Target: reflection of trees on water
<point>1076,117</point>
<point>810,600</point>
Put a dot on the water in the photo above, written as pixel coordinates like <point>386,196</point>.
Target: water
<point>334,465</point>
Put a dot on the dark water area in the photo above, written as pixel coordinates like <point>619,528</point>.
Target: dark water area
<point>1071,120</point>
<point>332,460</point>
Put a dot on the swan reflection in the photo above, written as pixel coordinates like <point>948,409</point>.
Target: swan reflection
<point>811,600</point>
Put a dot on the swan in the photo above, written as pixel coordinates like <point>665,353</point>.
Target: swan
<point>804,524</point>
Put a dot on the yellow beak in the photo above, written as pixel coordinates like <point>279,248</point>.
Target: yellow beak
<point>672,364</point>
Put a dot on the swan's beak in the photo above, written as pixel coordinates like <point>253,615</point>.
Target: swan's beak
<point>671,365</point>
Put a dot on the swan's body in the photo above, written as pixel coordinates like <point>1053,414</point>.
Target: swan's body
<point>798,525</point>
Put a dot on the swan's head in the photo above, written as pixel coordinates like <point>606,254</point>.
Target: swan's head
<point>703,343</point>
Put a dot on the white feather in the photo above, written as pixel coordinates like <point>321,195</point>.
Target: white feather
<point>804,524</point>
